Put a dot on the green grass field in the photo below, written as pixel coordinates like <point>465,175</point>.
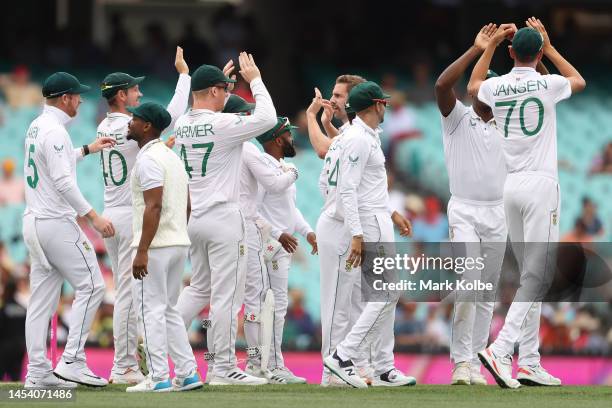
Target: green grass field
<point>313,396</point>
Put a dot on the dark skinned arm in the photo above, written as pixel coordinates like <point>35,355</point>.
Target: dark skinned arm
<point>150,222</point>
<point>445,95</point>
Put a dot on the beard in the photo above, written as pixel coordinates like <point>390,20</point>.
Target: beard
<point>288,150</point>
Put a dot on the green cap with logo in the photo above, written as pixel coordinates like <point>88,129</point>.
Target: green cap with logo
<point>206,76</point>
<point>153,113</point>
<point>364,95</point>
<point>527,42</point>
<point>62,83</point>
<point>282,125</point>
<point>237,104</point>
<point>116,81</point>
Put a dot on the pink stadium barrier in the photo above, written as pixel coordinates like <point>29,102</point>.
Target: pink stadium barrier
<point>426,368</point>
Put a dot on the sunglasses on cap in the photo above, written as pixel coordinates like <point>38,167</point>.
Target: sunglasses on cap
<point>280,130</point>
<point>383,101</point>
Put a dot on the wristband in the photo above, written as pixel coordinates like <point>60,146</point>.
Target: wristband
<point>85,150</point>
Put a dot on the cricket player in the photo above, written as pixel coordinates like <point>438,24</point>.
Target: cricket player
<point>334,108</point>
<point>364,201</point>
<point>524,106</point>
<point>160,200</point>
<point>210,145</point>
<point>122,92</point>
<point>280,210</point>
<point>58,247</point>
<point>256,173</point>
<point>477,172</point>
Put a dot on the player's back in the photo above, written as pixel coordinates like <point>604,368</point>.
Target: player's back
<point>212,155</point>
<point>46,137</point>
<point>524,106</point>
<point>118,161</point>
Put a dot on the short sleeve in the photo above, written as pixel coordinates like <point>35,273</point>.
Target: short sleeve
<point>451,121</point>
<point>560,87</point>
<point>150,173</point>
<point>484,93</point>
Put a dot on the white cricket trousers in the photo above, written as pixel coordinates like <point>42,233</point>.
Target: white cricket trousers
<point>218,257</point>
<point>477,229</point>
<point>256,285</point>
<point>278,276</point>
<point>125,317</point>
<point>163,329</point>
<point>533,204</point>
<point>72,258</point>
<point>377,319</point>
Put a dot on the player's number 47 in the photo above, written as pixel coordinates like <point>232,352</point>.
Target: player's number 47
<point>512,104</point>
<point>207,146</point>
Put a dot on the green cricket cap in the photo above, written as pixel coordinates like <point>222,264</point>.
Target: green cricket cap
<point>153,113</point>
<point>282,125</point>
<point>116,81</point>
<point>491,74</point>
<point>62,83</point>
<point>237,104</point>
<point>206,76</point>
<point>527,42</point>
<point>364,95</point>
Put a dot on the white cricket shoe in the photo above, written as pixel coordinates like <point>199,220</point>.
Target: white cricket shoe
<point>78,372</point>
<point>191,382</point>
<point>148,385</point>
<point>476,377</point>
<point>237,377</point>
<point>49,381</point>
<point>461,374</point>
<point>285,374</point>
<point>345,370</point>
<point>254,369</point>
<point>536,375</point>
<point>499,367</point>
<point>393,378</point>
<point>130,376</point>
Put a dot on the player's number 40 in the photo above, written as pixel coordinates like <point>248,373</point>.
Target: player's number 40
<point>512,104</point>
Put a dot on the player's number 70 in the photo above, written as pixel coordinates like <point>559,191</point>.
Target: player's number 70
<point>512,104</point>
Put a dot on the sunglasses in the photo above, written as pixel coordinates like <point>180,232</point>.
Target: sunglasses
<point>383,101</point>
<point>283,126</point>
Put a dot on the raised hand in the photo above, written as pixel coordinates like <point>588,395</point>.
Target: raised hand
<point>101,143</point>
<point>484,36</point>
<point>227,71</point>
<point>536,24</point>
<point>248,69</point>
<point>503,32</point>
<point>179,62</point>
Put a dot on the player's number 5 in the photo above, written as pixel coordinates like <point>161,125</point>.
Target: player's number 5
<point>32,180</point>
<point>512,104</point>
<point>207,146</point>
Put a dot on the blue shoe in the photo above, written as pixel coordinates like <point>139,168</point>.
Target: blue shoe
<point>148,385</point>
<point>192,382</point>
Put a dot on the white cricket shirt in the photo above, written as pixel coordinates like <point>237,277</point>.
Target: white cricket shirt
<point>524,106</point>
<point>474,156</point>
<point>210,145</point>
